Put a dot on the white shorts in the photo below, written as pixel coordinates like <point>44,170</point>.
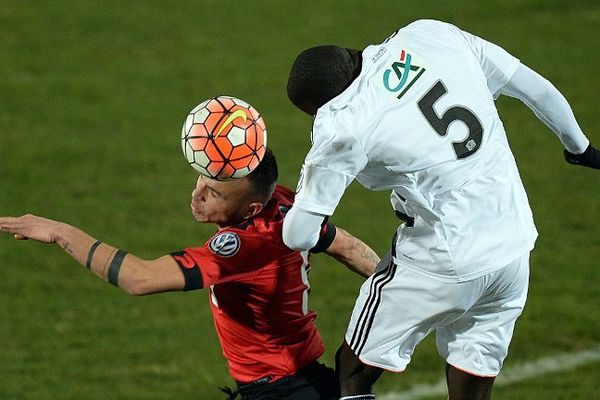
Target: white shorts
<point>473,321</point>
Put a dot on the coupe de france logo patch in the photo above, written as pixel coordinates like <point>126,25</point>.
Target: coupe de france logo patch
<point>225,244</point>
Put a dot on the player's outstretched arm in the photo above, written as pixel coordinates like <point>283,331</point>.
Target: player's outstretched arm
<point>550,106</point>
<point>130,273</point>
<point>301,232</point>
<point>353,253</point>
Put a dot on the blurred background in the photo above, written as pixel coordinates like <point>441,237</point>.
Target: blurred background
<point>92,98</point>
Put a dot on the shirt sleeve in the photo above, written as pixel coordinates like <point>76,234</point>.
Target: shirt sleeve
<point>301,228</point>
<point>333,162</point>
<point>549,105</point>
<point>191,270</point>
<point>226,257</point>
<point>326,237</point>
<point>498,65</point>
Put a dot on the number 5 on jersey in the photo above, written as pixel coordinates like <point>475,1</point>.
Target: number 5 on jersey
<point>441,124</point>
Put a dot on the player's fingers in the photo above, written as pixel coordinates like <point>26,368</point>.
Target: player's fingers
<point>5,228</point>
<point>20,237</point>
<point>10,225</point>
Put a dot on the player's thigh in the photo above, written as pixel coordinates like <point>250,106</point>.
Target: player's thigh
<point>318,382</point>
<point>396,308</point>
<point>478,341</point>
<point>315,382</point>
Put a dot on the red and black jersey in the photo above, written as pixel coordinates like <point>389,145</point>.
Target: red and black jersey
<point>258,293</point>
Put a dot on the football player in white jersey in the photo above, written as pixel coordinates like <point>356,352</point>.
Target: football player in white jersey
<point>416,115</point>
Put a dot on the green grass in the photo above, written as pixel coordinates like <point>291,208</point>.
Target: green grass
<point>92,98</point>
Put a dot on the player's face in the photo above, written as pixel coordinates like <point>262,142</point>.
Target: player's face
<point>223,203</point>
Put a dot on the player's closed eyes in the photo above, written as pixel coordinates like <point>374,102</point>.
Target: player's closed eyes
<point>212,192</point>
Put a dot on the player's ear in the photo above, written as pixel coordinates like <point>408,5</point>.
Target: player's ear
<point>253,209</point>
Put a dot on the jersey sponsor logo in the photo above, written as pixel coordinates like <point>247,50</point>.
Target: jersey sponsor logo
<point>405,72</point>
<point>225,244</point>
<point>229,120</point>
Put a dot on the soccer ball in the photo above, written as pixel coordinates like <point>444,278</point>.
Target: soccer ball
<point>224,138</point>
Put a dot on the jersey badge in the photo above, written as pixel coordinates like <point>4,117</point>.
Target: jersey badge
<point>225,244</point>
<point>405,74</point>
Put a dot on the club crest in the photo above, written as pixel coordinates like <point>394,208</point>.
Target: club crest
<point>225,244</point>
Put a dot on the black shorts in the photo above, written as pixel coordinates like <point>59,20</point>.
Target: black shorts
<point>314,382</point>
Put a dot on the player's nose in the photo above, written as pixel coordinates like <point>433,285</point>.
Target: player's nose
<point>198,193</point>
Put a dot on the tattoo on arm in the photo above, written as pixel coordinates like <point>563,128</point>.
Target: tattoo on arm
<point>369,255</point>
<point>65,246</point>
<point>366,253</point>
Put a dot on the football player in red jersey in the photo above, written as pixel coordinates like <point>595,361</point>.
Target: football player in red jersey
<point>258,287</point>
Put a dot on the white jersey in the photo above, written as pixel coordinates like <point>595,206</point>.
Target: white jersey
<point>420,120</point>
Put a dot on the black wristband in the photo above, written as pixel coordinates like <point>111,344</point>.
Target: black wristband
<point>115,267</point>
<point>88,263</point>
<point>589,158</point>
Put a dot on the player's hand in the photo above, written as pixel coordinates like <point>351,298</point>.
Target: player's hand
<point>30,227</point>
<point>589,158</point>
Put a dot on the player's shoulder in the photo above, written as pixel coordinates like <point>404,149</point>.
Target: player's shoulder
<point>226,242</point>
<point>426,23</point>
<point>336,118</point>
<point>426,28</point>
<point>245,241</point>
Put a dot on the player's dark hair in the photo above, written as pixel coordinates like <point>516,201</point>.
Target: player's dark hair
<point>264,177</point>
<point>319,74</point>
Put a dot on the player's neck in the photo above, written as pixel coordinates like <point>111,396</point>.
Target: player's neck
<point>229,224</point>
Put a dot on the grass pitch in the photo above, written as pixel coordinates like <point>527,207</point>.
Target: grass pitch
<point>92,98</point>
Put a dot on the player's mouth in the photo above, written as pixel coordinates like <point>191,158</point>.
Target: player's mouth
<point>195,210</point>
